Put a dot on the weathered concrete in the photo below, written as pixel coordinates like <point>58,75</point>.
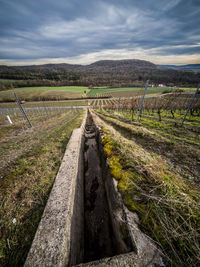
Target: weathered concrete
<point>125,227</point>
<point>59,237</point>
<point>97,230</point>
<point>103,220</point>
<point>125,260</point>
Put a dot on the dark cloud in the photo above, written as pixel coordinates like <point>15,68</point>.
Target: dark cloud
<point>62,29</point>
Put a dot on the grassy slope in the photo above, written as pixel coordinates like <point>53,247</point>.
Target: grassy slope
<point>107,90</point>
<point>80,89</point>
<point>111,90</point>
<point>39,93</point>
<point>46,104</point>
<point>68,92</point>
<point>25,185</point>
<point>163,193</point>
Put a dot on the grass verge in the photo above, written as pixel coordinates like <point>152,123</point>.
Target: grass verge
<point>166,202</point>
<point>24,191</point>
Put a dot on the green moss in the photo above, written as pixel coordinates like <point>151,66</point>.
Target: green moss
<point>133,205</point>
<point>108,145</point>
<point>125,182</point>
<point>116,168</point>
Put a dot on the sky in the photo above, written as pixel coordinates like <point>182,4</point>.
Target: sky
<point>85,31</point>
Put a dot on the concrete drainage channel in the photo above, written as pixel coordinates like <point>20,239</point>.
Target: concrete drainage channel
<point>85,222</point>
<point>105,235</point>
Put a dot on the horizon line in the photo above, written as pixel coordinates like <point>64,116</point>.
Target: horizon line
<point>23,64</point>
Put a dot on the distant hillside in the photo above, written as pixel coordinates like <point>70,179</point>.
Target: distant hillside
<point>112,73</point>
<point>102,65</point>
<point>189,67</point>
<point>122,65</point>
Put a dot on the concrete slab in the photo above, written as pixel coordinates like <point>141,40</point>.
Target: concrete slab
<point>59,239</point>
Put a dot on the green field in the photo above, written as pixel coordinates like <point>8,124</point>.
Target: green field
<point>74,92</point>
<point>108,90</point>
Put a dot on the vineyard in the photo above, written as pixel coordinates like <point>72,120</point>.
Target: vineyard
<point>63,93</point>
<point>30,159</point>
<point>154,157</point>
<point>157,165</point>
<point>172,102</point>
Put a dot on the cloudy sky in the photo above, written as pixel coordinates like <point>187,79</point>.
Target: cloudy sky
<point>84,31</point>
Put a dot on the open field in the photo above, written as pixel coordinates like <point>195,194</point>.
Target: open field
<point>157,166</point>
<point>113,91</point>
<point>43,93</point>
<point>38,95</point>
<point>79,89</point>
<point>30,159</point>
<point>107,90</point>
<point>75,92</point>
<point>135,93</point>
<point>64,92</point>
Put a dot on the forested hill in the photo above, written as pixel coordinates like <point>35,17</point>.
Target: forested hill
<point>189,67</point>
<point>122,65</point>
<point>105,72</point>
<point>102,65</point>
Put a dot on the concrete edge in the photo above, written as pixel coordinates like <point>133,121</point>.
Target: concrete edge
<point>61,225</point>
<point>146,253</point>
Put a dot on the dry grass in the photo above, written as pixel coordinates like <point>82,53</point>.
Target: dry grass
<point>46,103</point>
<point>18,139</point>
<point>170,146</point>
<point>167,203</point>
<point>26,184</point>
<point>38,95</point>
<point>135,93</point>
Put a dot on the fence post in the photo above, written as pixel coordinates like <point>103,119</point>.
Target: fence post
<point>22,110</point>
<point>190,105</point>
<point>141,106</point>
<point>45,108</point>
<point>118,104</point>
<point>8,117</point>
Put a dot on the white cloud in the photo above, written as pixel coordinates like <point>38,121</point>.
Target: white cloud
<point>169,4</point>
<point>110,23</point>
<point>106,21</point>
<point>152,55</point>
<point>110,32</point>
